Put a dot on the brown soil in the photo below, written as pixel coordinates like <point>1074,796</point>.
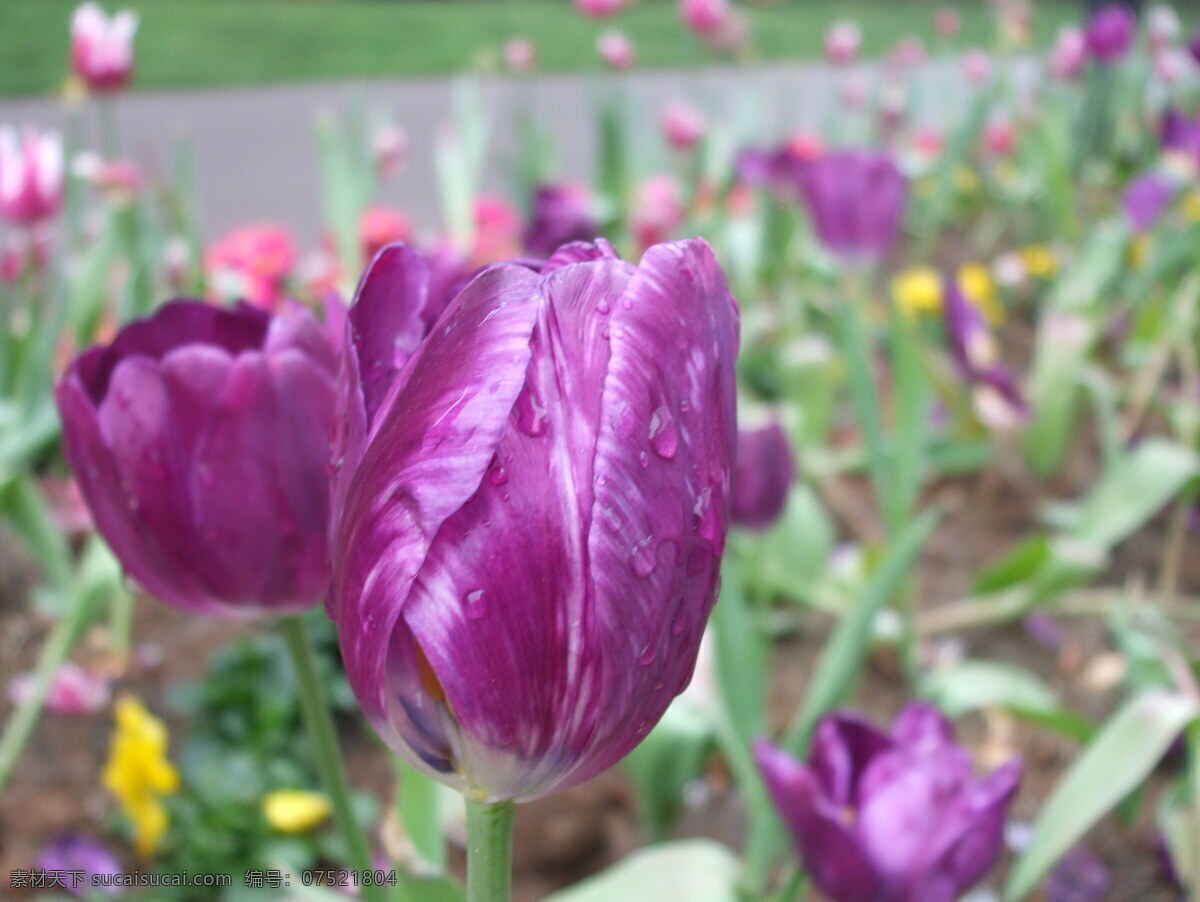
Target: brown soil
<point>578,832</point>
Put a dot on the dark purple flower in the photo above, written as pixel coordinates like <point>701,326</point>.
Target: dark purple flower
<point>1078,877</point>
<point>1145,200</point>
<point>974,351</point>
<point>85,857</point>
<point>200,438</point>
<point>762,476</point>
<point>531,512</point>
<point>856,201</point>
<point>896,817</point>
<point>560,215</point>
<point>1110,33</point>
<point>1180,134</point>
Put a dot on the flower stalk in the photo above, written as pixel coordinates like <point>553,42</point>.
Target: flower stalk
<point>489,851</point>
<point>319,723</point>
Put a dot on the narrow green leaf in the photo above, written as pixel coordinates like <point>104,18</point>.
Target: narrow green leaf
<point>1120,756</point>
<point>420,813</point>
<point>691,870</point>
<point>23,505</point>
<point>970,685</point>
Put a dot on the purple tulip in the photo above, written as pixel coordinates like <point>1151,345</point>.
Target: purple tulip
<point>974,351</point>
<point>1180,134</point>
<point>86,858</point>
<point>1194,46</point>
<point>1079,876</point>
<point>897,817</point>
<point>530,516</point>
<point>856,201</point>
<point>200,438</point>
<point>560,216</point>
<point>1145,200</point>
<point>1110,33</point>
<point>762,476</point>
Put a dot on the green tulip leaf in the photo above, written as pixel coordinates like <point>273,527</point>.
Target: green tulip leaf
<point>691,870</point>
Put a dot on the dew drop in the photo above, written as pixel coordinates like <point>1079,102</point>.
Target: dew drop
<point>664,434</point>
<point>475,604</point>
<point>647,655</point>
<point>606,333</point>
<point>685,405</point>
<point>497,475</point>
<point>627,302</point>
<point>603,307</point>
<point>531,413</point>
<point>643,558</point>
<point>644,459</point>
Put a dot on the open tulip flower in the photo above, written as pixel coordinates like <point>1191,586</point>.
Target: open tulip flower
<point>102,47</point>
<point>856,200</point>
<point>31,175</point>
<point>200,439</point>
<point>531,507</point>
<point>890,817</point>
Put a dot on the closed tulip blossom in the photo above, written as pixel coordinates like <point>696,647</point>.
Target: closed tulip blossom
<point>531,509</point>
<point>893,816</point>
<point>1110,33</point>
<point>599,9</point>
<point>705,17</point>
<point>842,43</point>
<point>1069,54</point>
<point>856,201</point>
<point>616,50</point>
<point>31,175</point>
<point>559,216</point>
<point>683,125</point>
<point>762,477</point>
<point>102,47</point>
<point>1145,200</point>
<point>977,66</point>
<point>200,438</point>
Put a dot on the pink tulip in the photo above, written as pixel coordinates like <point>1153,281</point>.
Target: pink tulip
<point>1069,55</point>
<point>853,92</point>
<point>947,21</point>
<point>102,47</point>
<point>497,230</point>
<point>683,125</point>
<point>976,67</point>
<point>115,176</point>
<point>379,226</point>
<point>704,17</point>
<point>999,138</point>
<point>389,149</point>
<point>251,263</point>
<point>907,53</point>
<point>842,43</point>
<point>31,175</point>
<point>1170,65</point>
<point>73,690</point>
<point>1162,27</point>
<point>657,210</point>
<point>520,55</point>
<point>599,9</point>
<point>616,50</point>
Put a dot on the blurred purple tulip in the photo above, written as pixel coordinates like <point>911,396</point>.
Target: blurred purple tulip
<point>1194,46</point>
<point>200,438</point>
<point>1079,876</point>
<point>560,215</point>
<point>1145,199</point>
<point>856,200</point>
<point>85,857</point>
<point>762,476</point>
<point>897,817</point>
<point>531,511</point>
<point>974,351</point>
<point>1180,134</point>
<point>1110,33</point>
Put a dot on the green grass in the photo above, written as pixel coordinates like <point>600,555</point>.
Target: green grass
<point>197,43</point>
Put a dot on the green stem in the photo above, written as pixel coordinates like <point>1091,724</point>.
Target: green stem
<point>489,851</point>
<point>317,719</point>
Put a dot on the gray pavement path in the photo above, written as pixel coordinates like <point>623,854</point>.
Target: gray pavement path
<point>256,155</point>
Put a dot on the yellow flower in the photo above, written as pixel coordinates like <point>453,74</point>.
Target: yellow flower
<point>295,810</point>
<point>918,289</point>
<point>923,186</point>
<point>1138,248</point>
<point>138,773</point>
<point>965,180</point>
<point>977,284</point>
<point>1039,261</point>
<point>1191,206</point>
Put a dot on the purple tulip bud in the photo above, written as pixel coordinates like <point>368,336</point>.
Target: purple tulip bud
<point>200,439</point>
<point>86,857</point>
<point>1110,33</point>
<point>896,817</point>
<point>1078,877</point>
<point>1145,200</point>
<point>532,508</point>
<point>856,200</point>
<point>1180,134</point>
<point>560,216</point>
<point>762,476</point>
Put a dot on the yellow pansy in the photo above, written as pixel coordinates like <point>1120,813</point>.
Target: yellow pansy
<point>977,284</point>
<point>138,772</point>
<point>295,810</point>
<point>966,180</point>
<point>1039,261</point>
<point>1191,206</point>
<point>918,289</point>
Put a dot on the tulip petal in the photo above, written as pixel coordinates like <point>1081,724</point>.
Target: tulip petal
<point>843,747</point>
<point>457,406</point>
<point>830,850</point>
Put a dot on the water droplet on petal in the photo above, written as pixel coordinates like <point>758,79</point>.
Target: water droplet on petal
<point>664,434</point>
<point>643,558</point>
<point>497,475</point>
<point>644,459</point>
<point>531,413</point>
<point>627,302</point>
<point>603,306</point>
<point>475,605</point>
<point>685,405</point>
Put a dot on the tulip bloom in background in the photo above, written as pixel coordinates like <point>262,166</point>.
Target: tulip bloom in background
<point>947,22</point>
<point>102,47</point>
<point>1110,33</point>
<point>31,175</point>
<point>890,817</point>
<point>251,263</point>
<point>599,9</point>
<point>560,215</point>
<point>706,18</point>
<point>73,690</point>
<point>683,125</point>
<point>1145,199</point>
<point>616,50</point>
<point>380,226</point>
<point>762,477</point>
<point>530,513</point>
<point>998,400</point>
<point>520,55</point>
<point>856,200</point>
<point>85,857</point>
<point>200,439</point>
<point>977,66</point>
<point>842,43</point>
<point>657,211</point>
<point>1069,54</point>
